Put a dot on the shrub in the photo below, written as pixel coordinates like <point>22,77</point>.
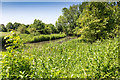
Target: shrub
<point>38,38</point>
<point>15,63</point>
<point>27,32</point>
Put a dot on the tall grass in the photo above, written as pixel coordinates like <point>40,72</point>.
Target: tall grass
<point>74,59</point>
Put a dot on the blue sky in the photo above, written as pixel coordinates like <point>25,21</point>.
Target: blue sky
<point>43,0</point>
<point>26,12</point>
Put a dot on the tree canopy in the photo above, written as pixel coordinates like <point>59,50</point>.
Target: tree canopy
<point>89,20</point>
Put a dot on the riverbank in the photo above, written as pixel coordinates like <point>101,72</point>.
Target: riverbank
<point>40,44</point>
<point>30,38</point>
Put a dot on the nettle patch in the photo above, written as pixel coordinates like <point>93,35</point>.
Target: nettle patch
<point>15,63</point>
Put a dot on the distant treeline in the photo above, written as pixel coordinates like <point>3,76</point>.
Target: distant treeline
<point>38,27</point>
<point>89,20</point>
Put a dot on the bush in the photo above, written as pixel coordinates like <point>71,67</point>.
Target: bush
<point>3,43</point>
<point>47,37</point>
<point>9,40</point>
<point>22,29</point>
<point>38,38</point>
<point>27,32</point>
<point>15,63</point>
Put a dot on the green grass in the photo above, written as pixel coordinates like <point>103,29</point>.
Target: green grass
<point>74,59</point>
<point>41,44</point>
<point>4,33</point>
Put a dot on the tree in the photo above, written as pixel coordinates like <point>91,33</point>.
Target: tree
<point>31,30</point>
<point>22,29</point>
<point>116,8</point>
<point>76,31</point>
<point>97,21</point>
<point>71,16</point>
<point>27,25</point>
<point>3,28</point>
<point>9,26</point>
<point>16,25</point>
<point>82,7</point>
<point>52,28</point>
<point>38,25</point>
<point>61,24</point>
<point>47,29</point>
<point>67,22</point>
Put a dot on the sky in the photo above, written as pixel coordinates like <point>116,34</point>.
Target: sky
<point>43,0</point>
<point>26,12</point>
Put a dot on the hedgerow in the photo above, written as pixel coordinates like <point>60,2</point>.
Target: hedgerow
<point>39,38</point>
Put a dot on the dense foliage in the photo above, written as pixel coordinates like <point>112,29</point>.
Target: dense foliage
<point>97,23</point>
<point>3,28</point>
<point>78,60</point>
<point>38,27</point>
<point>30,38</point>
<point>67,22</point>
<point>15,63</point>
<point>91,21</point>
<point>72,59</point>
<point>39,38</point>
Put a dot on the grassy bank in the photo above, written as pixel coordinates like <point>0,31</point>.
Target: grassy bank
<point>3,34</point>
<point>43,43</point>
<point>39,38</point>
<point>30,38</point>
